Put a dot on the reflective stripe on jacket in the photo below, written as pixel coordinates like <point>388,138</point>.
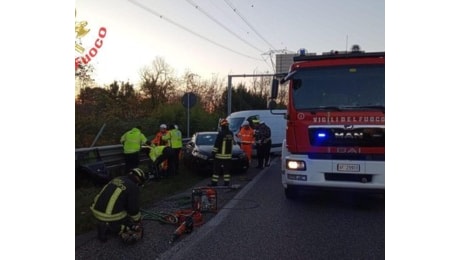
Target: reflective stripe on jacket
<point>117,200</point>
<point>223,145</point>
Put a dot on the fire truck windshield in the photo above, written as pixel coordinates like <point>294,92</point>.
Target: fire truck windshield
<point>339,87</point>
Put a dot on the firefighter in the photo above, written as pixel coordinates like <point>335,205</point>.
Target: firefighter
<point>117,209</point>
<point>222,154</point>
<point>174,138</point>
<point>132,141</point>
<point>160,158</point>
<point>263,144</point>
<point>246,135</point>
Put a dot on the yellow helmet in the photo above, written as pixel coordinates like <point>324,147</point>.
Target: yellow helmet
<point>139,173</point>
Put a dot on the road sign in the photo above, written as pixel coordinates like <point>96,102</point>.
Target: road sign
<point>189,100</point>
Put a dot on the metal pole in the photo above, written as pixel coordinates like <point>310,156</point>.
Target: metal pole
<point>98,134</point>
<point>229,95</point>
<point>188,115</point>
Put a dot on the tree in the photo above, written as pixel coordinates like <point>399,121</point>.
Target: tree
<point>158,82</point>
<point>83,77</point>
<point>206,90</point>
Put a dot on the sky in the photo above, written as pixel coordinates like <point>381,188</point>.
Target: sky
<point>218,38</point>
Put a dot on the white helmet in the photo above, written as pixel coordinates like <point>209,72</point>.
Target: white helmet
<point>163,126</point>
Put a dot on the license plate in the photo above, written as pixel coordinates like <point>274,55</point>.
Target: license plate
<point>342,167</point>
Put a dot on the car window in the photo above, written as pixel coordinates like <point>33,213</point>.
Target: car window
<point>206,139</point>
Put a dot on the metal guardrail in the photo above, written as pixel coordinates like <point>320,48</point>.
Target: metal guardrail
<point>111,156</point>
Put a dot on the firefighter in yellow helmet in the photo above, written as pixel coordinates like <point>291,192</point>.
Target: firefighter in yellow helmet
<point>222,154</point>
<point>117,208</point>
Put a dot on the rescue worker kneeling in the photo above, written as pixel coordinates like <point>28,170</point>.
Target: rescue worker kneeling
<point>161,155</point>
<point>117,208</point>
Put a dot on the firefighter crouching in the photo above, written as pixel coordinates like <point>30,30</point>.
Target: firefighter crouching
<point>117,208</point>
<point>159,164</point>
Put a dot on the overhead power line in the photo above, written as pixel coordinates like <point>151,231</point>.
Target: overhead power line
<point>247,23</point>
<point>271,53</point>
<point>223,26</point>
<point>190,31</point>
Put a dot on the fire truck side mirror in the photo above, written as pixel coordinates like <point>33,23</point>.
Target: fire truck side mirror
<point>275,86</point>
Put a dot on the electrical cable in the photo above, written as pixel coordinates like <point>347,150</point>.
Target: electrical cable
<point>223,26</point>
<point>247,23</point>
<point>163,217</point>
<point>190,31</point>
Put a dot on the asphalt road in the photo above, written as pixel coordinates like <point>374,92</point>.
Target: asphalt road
<point>258,222</point>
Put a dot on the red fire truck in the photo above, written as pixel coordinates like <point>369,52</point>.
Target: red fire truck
<point>335,133</point>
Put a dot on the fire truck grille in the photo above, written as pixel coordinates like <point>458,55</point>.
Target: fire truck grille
<point>343,137</point>
<point>364,178</point>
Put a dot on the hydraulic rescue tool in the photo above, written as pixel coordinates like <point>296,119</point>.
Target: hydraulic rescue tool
<point>204,199</point>
<point>185,227</point>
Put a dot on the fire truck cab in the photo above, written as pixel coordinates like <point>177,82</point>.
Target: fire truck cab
<point>335,134</point>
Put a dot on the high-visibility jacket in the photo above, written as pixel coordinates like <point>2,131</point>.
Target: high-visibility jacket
<point>156,151</point>
<point>246,135</point>
<point>223,145</point>
<point>132,140</point>
<point>174,137</point>
<point>158,140</point>
<point>117,200</point>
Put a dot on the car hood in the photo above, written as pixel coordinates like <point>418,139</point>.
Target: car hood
<point>207,149</point>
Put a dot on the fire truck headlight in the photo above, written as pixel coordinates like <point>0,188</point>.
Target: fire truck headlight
<point>296,165</point>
